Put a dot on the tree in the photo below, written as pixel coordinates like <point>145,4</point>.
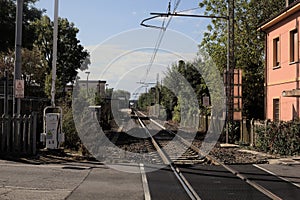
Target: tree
<point>191,73</point>
<point>33,70</point>
<point>123,94</point>
<point>249,45</point>
<point>185,85</point>
<point>71,55</point>
<point>7,23</point>
<point>168,100</point>
<point>7,63</point>
<point>146,99</point>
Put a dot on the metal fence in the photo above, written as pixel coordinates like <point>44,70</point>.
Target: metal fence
<point>247,128</point>
<point>18,134</point>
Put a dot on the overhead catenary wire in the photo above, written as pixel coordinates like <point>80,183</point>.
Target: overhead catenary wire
<point>163,28</point>
<point>191,9</point>
<point>157,44</point>
<point>196,8</point>
<point>160,37</point>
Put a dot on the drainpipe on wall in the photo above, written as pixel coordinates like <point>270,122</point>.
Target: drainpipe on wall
<point>266,75</point>
<point>297,71</point>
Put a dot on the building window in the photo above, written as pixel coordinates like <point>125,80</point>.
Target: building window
<point>276,110</point>
<point>294,46</point>
<point>276,52</point>
<point>289,2</point>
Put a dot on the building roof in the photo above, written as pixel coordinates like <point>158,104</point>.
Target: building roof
<point>291,9</point>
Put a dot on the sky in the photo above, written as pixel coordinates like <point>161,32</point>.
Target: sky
<point>122,51</point>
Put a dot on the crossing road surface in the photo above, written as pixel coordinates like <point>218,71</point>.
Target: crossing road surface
<point>67,181</point>
<point>73,181</point>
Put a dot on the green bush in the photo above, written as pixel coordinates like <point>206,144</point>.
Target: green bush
<point>176,114</point>
<point>279,138</point>
<point>233,132</point>
<point>72,140</point>
<point>162,114</point>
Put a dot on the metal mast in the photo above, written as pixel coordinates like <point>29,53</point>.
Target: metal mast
<point>230,65</point>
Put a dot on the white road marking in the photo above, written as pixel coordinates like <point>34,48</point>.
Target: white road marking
<point>145,183</point>
<point>259,167</point>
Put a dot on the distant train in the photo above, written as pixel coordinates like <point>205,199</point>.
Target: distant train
<point>133,103</point>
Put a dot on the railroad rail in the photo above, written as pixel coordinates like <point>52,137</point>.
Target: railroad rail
<point>166,159</point>
<point>189,158</point>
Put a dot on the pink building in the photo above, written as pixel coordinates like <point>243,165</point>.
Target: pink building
<point>282,72</point>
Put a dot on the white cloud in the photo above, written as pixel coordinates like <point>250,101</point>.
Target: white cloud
<point>124,59</point>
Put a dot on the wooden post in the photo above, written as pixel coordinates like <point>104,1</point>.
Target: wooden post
<point>34,134</point>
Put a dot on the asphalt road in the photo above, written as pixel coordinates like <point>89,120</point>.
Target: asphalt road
<point>163,184</point>
<point>277,186</point>
<point>20,181</point>
<point>74,181</point>
<point>215,182</point>
<point>106,183</point>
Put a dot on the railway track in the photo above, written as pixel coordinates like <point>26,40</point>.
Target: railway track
<point>166,159</point>
<point>132,146</point>
<point>191,156</point>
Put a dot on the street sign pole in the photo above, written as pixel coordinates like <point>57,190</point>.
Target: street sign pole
<point>18,54</point>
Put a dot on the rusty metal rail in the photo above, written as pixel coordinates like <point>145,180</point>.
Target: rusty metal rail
<point>185,184</point>
<point>214,160</point>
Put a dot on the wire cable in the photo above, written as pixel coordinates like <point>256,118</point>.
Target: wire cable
<point>156,47</point>
<point>188,10</point>
<point>160,37</point>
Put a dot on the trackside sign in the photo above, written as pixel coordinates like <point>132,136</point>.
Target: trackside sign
<point>19,89</point>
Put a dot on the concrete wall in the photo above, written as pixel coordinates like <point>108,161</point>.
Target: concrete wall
<point>286,75</point>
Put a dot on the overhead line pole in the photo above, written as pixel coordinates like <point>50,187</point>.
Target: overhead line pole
<point>230,52</point>
<point>230,66</point>
<point>161,35</point>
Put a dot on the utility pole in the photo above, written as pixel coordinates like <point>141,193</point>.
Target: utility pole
<point>157,88</point>
<point>54,57</point>
<point>18,55</point>
<point>230,67</point>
